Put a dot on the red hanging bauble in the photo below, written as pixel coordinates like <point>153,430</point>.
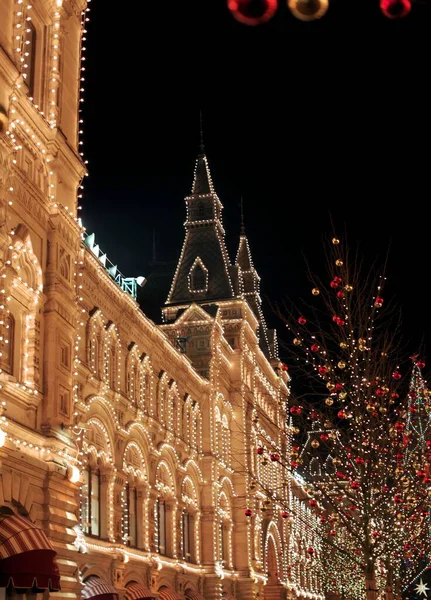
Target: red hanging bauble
<point>310,551</point>
<point>314,348</point>
<point>302,320</point>
<point>395,9</point>
<point>260,450</point>
<point>396,375</point>
<point>247,512</point>
<point>252,12</point>
<point>274,457</point>
<point>284,514</point>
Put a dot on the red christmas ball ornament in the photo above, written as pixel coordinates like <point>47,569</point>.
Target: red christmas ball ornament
<point>310,551</point>
<point>378,302</point>
<point>302,320</point>
<point>421,364</point>
<point>340,294</point>
<point>399,426</point>
<point>284,514</point>
<point>252,12</point>
<point>314,348</point>
<point>354,485</point>
<point>284,368</point>
<point>341,322</point>
<point>395,9</point>
<point>359,460</point>
<point>335,318</point>
<point>395,396</point>
<point>339,386</point>
<point>332,532</point>
<point>380,392</point>
<point>294,464</point>
<point>274,457</point>
<point>313,503</point>
<point>295,410</point>
<point>396,375</point>
<point>260,450</point>
<point>322,370</point>
<point>324,437</point>
<point>398,499</point>
<point>247,512</point>
<point>334,284</point>
<point>341,414</point>
<point>314,415</point>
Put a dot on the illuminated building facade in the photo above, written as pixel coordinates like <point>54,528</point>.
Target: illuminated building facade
<point>139,460</point>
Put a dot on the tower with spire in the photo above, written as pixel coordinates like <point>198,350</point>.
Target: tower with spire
<point>205,275</point>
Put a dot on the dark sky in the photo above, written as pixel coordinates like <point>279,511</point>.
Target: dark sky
<point>306,121</point>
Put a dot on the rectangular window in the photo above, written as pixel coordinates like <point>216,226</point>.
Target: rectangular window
<point>95,504</point>
<point>85,502</point>
<point>30,57</point>
<point>65,355</point>
<point>161,518</point>
<point>186,537</point>
<point>133,521</point>
<point>64,401</point>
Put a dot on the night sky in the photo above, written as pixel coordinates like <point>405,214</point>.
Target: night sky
<point>308,122</point>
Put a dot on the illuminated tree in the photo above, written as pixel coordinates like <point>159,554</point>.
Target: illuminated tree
<point>364,443</point>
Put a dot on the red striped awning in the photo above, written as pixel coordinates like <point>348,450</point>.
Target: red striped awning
<point>97,588</point>
<point>169,594</point>
<point>27,558</point>
<point>137,591</point>
<point>191,595</point>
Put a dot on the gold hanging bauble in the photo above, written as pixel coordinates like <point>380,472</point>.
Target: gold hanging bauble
<point>335,240</point>
<point>339,262</point>
<point>333,436</point>
<point>348,287</point>
<point>370,407</point>
<point>315,444</point>
<point>341,364</point>
<point>315,291</point>
<point>297,341</point>
<point>329,402</point>
<point>342,395</point>
<point>343,345</point>
<point>330,385</point>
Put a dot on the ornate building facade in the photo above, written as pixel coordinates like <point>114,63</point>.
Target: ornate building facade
<point>137,460</point>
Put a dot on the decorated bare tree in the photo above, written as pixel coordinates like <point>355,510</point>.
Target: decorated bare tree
<point>364,439</point>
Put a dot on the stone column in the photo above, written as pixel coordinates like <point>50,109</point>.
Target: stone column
<point>212,588</point>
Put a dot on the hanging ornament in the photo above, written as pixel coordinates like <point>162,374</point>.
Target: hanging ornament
<point>339,262</point>
<point>343,345</point>
<point>396,375</point>
<point>329,401</point>
<point>395,9</point>
<point>335,241</point>
<point>253,12</point>
<point>302,320</point>
<point>348,287</point>
<point>284,514</point>
<point>314,348</point>
<point>341,364</point>
<point>308,10</point>
<point>315,291</point>
<point>297,341</point>
<point>378,303</point>
<point>247,512</point>
<point>340,294</point>
<point>260,450</point>
<point>315,444</point>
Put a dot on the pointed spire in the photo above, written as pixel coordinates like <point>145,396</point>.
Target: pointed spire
<point>202,182</point>
<point>242,231</point>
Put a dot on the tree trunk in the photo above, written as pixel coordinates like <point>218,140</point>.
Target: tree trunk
<point>371,591</point>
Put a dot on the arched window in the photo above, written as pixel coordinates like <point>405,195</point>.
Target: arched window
<point>7,347</point>
<point>161,526</point>
<point>132,521</point>
<point>198,279</point>
<point>90,502</point>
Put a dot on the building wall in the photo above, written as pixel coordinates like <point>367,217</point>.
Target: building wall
<point>91,387</point>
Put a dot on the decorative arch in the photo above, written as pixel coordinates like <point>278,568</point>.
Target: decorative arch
<point>98,439</point>
<point>272,552</point>
<point>23,260</point>
<point>133,368</point>
<point>95,339</point>
<point>112,357</point>
<point>134,461</point>
<point>175,413</point>
<point>162,404</point>
<point>165,480</point>
<point>198,277</point>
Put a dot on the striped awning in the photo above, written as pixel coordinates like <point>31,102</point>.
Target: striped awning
<point>191,595</point>
<point>137,591</point>
<point>169,594</point>
<point>27,558</point>
<point>95,587</point>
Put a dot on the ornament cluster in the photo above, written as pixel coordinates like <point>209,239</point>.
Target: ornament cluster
<point>256,12</point>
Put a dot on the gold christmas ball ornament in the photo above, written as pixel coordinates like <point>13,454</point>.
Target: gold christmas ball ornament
<point>308,10</point>
<point>343,345</point>
<point>330,385</point>
<point>342,395</point>
<point>348,287</point>
<point>315,291</point>
<point>329,402</point>
<point>341,364</point>
<point>297,341</point>
<point>335,240</point>
<point>339,262</point>
<point>370,407</point>
<point>315,444</point>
